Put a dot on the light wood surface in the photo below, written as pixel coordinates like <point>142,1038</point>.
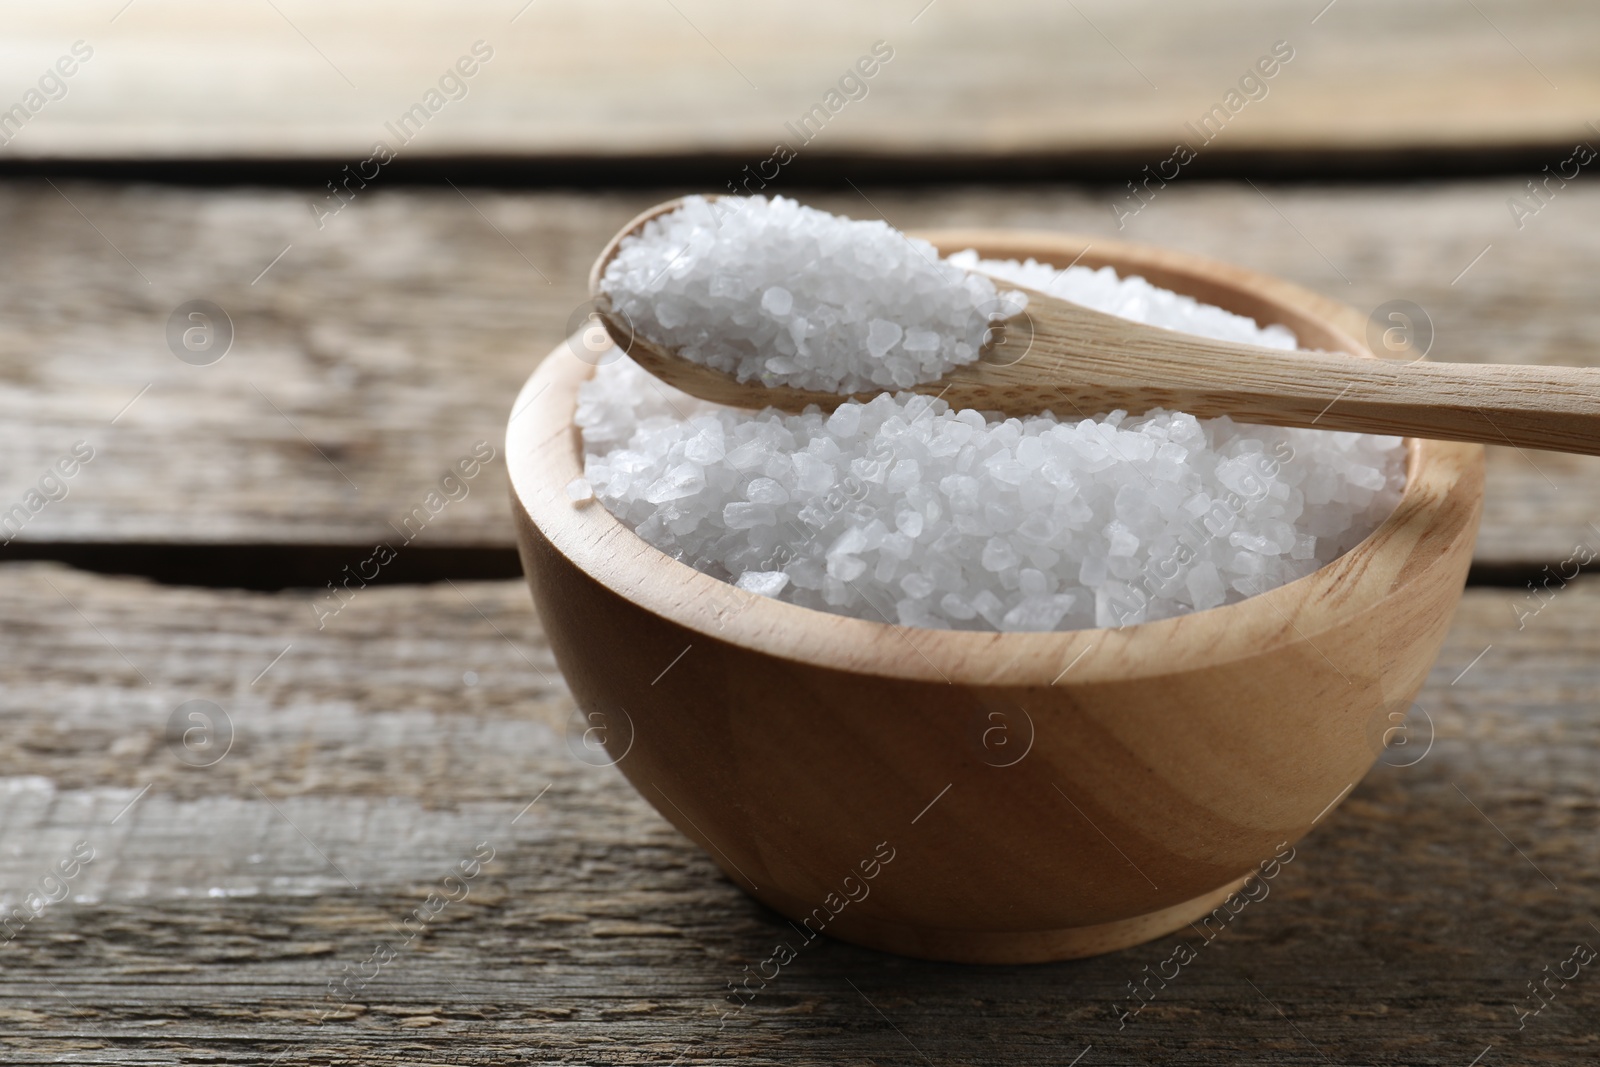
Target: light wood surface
<point>217,910</point>
<point>789,742</point>
<point>393,364</point>
<point>609,79</point>
<point>1404,931</point>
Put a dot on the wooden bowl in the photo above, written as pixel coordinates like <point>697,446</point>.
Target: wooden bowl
<point>989,797</point>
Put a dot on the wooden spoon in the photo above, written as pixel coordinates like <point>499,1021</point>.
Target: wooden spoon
<point>1078,361</point>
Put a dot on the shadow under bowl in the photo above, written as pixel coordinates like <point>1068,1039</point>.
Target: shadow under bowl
<point>994,797</point>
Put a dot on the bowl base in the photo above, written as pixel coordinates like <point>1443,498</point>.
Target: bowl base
<point>1015,946</point>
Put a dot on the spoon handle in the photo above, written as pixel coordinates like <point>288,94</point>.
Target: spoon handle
<point>1096,362</point>
<point>1553,408</point>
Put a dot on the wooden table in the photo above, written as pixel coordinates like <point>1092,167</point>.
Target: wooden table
<point>354,767</point>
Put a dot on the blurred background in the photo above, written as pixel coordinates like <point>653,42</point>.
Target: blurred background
<point>393,263</point>
<point>272,268</point>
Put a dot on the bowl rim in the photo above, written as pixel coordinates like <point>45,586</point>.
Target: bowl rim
<point>543,457</point>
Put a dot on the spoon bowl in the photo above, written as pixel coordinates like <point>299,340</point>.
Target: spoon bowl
<point>1077,361</point>
<point>1038,796</point>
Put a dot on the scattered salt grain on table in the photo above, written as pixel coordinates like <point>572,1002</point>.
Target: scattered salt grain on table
<point>771,291</point>
<point>902,509</point>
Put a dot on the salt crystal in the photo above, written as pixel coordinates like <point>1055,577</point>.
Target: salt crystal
<point>742,515</point>
<point>766,491</point>
<point>882,335</point>
<point>763,583</point>
<point>777,301</point>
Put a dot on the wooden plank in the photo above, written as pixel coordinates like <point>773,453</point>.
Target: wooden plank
<point>628,78</point>
<point>372,354</point>
<point>217,908</point>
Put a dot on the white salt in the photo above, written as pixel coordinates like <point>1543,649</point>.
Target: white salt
<point>771,291</point>
<point>903,509</point>
<point>1130,298</point>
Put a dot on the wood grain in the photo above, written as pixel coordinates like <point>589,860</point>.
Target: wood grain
<point>383,346</point>
<point>1404,931</point>
<point>631,78</point>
